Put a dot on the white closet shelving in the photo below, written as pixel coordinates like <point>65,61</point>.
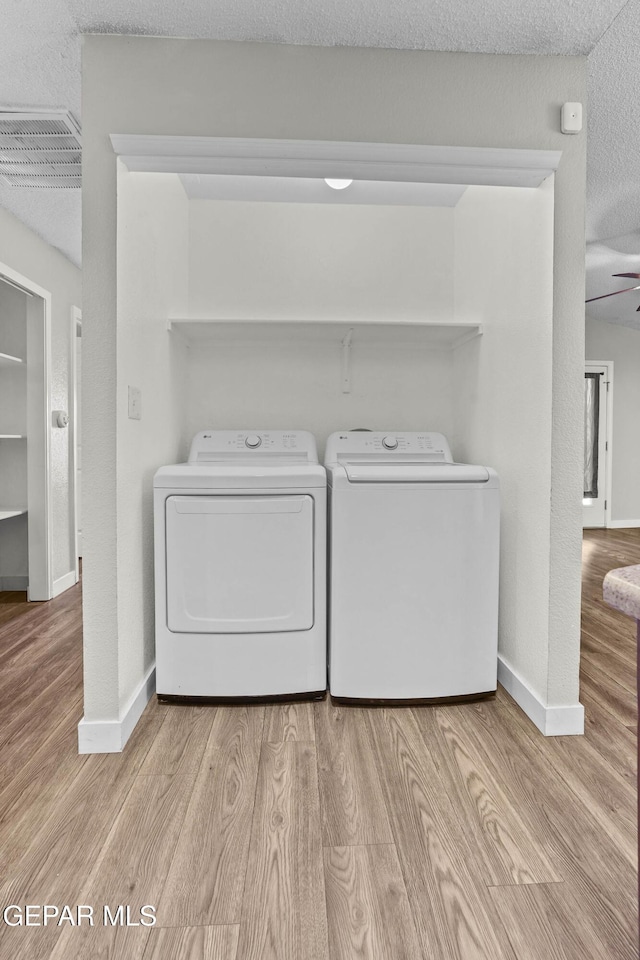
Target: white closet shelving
<point>6,360</point>
<point>10,362</point>
<point>7,514</point>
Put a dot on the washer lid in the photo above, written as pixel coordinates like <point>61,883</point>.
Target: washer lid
<point>397,471</point>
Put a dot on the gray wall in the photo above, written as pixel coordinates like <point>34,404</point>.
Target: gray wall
<point>210,88</point>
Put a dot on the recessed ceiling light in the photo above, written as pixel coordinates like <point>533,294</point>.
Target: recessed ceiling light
<point>338,184</point>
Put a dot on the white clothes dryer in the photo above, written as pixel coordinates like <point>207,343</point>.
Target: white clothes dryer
<point>414,546</point>
<point>240,568</point>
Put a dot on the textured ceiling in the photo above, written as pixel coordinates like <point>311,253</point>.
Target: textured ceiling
<point>40,57</point>
<point>613,169</point>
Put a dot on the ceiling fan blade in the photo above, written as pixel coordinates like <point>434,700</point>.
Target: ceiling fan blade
<point>614,294</point>
<point>632,276</point>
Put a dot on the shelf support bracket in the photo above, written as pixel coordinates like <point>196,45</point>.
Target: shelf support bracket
<point>346,361</point>
<point>174,328</point>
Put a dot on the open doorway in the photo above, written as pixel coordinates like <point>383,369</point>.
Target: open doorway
<point>598,400</point>
<point>25,359</point>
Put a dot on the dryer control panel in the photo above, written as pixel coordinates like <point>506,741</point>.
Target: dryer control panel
<point>400,445</point>
<point>217,445</point>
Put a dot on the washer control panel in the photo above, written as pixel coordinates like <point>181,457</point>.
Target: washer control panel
<point>378,445</point>
<point>210,445</point>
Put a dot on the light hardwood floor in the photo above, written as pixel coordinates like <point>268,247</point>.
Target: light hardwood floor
<point>322,832</point>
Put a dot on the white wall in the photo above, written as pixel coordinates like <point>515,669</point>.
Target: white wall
<point>210,88</point>
<point>313,261</point>
<point>296,385</point>
<point>26,253</point>
<point>152,286</point>
<point>301,261</point>
<point>503,396</point>
<point>611,341</point>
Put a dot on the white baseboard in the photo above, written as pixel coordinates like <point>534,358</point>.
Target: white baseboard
<point>110,736</point>
<point>63,583</point>
<point>621,524</point>
<point>552,721</point>
<point>14,583</point>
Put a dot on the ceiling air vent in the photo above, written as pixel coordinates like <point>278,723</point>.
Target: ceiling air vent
<point>40,150</point>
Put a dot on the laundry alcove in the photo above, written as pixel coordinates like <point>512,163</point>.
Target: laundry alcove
<point>433,311</point>
<point>432,314</point>
<point>177,108</point>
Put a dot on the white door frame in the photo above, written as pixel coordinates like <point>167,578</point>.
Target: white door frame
<point>38,432</point>
<point>76,321</point>
<point>607,365</point>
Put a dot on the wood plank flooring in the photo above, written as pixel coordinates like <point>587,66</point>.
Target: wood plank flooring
<point>317,831</point>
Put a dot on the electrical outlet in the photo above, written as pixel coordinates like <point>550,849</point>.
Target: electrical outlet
<point>135,403</point>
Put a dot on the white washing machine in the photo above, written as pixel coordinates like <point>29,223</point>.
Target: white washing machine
<point>240,568</point>
<point>414,545</point>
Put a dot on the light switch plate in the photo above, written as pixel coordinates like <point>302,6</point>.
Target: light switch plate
<point>135,403</point>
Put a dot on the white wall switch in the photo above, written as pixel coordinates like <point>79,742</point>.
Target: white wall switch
<point>571,118</point>
<point>135,403</point>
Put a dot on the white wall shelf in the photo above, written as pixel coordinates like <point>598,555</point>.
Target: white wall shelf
<point>12,436</point>
<point>7,360</point>
<point>7,514</point>
<point>437,335</point>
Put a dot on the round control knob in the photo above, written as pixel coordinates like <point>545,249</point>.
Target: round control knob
<point>390,443</point>
<point>253,441</point>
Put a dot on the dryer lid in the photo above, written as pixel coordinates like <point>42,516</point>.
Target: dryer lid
<point>413,471</point>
